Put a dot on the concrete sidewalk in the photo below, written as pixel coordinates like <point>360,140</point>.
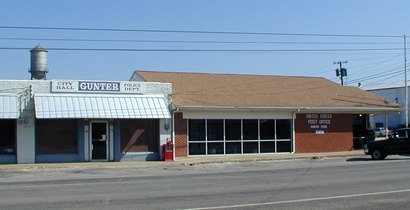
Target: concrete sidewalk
<point>262,157</point>
<point>186,161</point>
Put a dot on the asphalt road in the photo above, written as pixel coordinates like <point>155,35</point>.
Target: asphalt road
<point>337,183</point>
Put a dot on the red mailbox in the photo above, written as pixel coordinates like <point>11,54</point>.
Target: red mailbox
<point>168,151</point>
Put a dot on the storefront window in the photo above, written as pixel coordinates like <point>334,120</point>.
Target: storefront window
<point>283,129</point>
<point>215,148</point>
<point>267,129</point>
<point>283,146</point>
<point>197,145</point>
<point>7,137</point>
<point>241,136</point>
<point>56,136</point>
<point>233,129</point>
<point>215,137</point>
<point>284,135</point>
<point>268,146</point>
<point>196,130</point>
<point>250,147</point>
<point>215,130</point>
<point>233,147</point>
<point>197,149</point>
<point>139,135</point>
<point>250,129</point>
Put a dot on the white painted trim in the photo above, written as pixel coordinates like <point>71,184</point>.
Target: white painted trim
<point>304,109</point>
<point>173,134</point>
<point>293,139</point>
<point>236,115</point>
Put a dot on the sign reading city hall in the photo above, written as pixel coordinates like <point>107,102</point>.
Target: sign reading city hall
<point>97,87</point>
<point>319,122</point>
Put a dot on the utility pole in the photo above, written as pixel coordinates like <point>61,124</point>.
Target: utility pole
<point>342,72</point>
<point>405,84</point>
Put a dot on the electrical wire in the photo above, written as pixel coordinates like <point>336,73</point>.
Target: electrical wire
<point>385,79</point>
<point>196,41</point>
<point>380,69</point>
<point>207,50</point>
<point>387,73</point>
<point>283,51</point>
<point>350,67</point>
<point>196,32</point>
<point>378,63</point>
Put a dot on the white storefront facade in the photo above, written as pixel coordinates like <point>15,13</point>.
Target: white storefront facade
<point>77,121</point>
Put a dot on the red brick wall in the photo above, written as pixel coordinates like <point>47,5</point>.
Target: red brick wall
<point>337,136</point>
<point>181,144</point>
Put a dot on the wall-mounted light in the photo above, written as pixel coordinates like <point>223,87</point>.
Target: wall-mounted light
<point>166,125</point>
<point>23,121</point>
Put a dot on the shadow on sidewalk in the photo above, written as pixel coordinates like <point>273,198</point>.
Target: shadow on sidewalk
<point>358,159</point>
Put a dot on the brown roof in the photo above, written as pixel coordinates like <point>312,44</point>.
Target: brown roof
<point>235,90</point>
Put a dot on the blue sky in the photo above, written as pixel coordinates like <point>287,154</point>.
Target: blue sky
<point>370,17</point>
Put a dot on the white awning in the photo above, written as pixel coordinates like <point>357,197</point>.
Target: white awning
<point>97,106</point>
<point>8,106</point>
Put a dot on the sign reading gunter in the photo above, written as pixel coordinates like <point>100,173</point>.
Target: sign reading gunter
<point>99,86</point>
<point>64,86</point>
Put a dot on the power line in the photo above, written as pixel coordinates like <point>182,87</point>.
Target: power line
<point>383,80</point>
<point>194,41</point>
<point>196,32</point>
<point>374,69</point>
<point>205,50</point>
<point>378,63</point>
<point>375,76</point>
<point>381,69</point>
<point>357,59</point>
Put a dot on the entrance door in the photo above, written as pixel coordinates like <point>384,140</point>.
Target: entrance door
<point>99,140</point>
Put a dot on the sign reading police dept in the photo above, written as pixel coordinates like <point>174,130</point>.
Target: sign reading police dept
<point>66,86</point>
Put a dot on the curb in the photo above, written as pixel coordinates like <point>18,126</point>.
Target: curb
<point>189,161</point>
<point>193,162</point>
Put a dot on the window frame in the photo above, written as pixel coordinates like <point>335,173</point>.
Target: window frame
<point>246,145</point>
<point>42,137</point>
<point>10,128</point>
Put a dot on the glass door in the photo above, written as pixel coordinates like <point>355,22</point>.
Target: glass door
<point>99,140</point>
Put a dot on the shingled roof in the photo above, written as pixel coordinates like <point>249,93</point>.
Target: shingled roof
<point>203,90</point>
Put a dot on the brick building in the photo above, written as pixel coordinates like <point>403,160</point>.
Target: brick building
<point>223,114</point>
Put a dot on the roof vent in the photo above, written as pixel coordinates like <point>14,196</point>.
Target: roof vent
<point>38,68</point>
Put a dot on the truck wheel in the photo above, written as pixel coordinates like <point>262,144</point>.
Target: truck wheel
<point>378,154</point>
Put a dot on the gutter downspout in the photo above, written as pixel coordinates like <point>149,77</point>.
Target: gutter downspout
<point>173,131</point>
<point>294,132</point>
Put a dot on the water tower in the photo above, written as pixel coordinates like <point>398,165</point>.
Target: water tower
<point>38,68</point>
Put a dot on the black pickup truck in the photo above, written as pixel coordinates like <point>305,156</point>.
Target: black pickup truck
<point>397,143</point>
